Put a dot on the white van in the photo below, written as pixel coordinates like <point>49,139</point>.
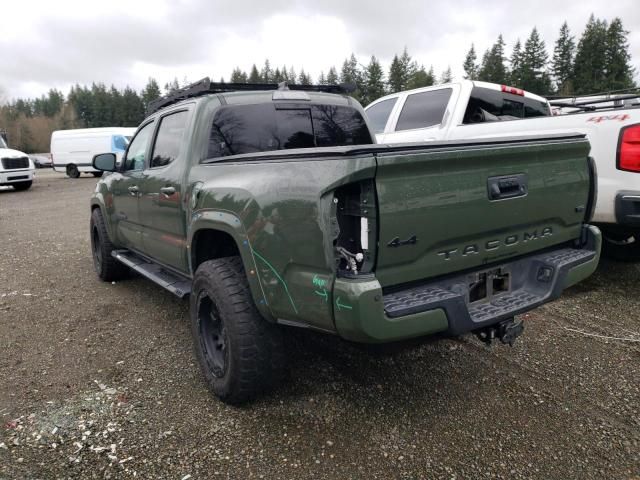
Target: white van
<point>72,150</point>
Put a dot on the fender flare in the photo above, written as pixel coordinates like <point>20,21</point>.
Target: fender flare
<point>229,223</point>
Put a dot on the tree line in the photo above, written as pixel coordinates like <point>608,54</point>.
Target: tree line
<point>598,61</point>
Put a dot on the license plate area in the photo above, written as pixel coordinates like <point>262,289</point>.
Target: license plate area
<point>484,286</point>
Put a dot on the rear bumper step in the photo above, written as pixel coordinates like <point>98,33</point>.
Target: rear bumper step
<point>472,301</point>
<point>534,280</point>
<point>176,284</point>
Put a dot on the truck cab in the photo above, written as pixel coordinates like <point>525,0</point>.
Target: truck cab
<point>434,113</point>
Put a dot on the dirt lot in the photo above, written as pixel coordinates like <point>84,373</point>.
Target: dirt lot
<point>99,381</point>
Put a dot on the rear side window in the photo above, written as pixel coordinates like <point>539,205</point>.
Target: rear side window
<point>379,114</point>
<point>239,129</point>
<point>169,139</point>
<point>487,105</point>
<point>424,109</point>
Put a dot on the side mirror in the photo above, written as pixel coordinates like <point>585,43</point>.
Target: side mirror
<point>105,162</point>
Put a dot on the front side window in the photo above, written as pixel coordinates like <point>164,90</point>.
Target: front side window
<point>169,139</point>
<point>422,110</point>
<point>239,129</point>
<point>379,114</point>
<point>136,155</point>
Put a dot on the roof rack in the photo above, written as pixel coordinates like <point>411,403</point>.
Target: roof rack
<point>206,86</point>
<point>592,104</point>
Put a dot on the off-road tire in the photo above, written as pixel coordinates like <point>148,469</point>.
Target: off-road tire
<point>97,174</point>
<point>108,268</point>
<point>619,248</point>
<point>72,171</point>
<point>23,185</point>
<point>241,353</point>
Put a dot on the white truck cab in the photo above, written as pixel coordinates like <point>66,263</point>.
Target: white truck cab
<point>470,109</point>
<point>16,168</point>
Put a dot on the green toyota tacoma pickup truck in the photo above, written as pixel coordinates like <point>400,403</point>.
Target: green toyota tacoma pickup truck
<point>269,205</point>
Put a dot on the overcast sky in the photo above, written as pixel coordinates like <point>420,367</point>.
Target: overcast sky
<point>59,43</point>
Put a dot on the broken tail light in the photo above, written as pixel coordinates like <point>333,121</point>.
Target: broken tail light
<point>629,149</point>
<point>354,218</point>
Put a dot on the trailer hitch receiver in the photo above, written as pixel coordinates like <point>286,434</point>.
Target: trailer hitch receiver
<point>506,331</point>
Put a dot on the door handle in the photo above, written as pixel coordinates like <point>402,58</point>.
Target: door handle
<point>133,190</point>
<point>508,186</point>
<point>167,191</point>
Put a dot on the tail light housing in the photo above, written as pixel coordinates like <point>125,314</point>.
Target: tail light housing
<point>353,216</point>
<point>628,157</point>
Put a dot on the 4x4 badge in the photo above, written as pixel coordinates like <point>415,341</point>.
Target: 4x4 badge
<point>396,242</point>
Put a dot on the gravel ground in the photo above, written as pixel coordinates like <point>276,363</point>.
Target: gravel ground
<point>99,381</point>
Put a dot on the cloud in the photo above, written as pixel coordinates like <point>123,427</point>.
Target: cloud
<point>58,44</point>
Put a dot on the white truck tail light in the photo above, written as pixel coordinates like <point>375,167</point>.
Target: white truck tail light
<point>629,149</point>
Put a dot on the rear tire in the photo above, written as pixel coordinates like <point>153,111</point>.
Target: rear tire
<point>240,353</point>
<point>22,185</point>
<point>97,174</point>
<point>624,247</point>
<point>72,171</point>
<point>108,268</point>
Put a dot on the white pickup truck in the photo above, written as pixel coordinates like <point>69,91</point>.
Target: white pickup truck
<point>16,168</point>
<point>471,109</point>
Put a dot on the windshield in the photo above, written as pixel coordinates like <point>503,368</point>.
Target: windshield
<point>3,144</point>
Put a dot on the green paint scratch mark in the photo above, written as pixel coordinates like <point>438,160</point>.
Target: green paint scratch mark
<point>284,284</point>
<point>323,293</point>
<point>319,282</point>
<point>342,306</point>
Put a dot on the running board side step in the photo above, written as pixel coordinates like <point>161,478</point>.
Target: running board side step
<point>175,283</point>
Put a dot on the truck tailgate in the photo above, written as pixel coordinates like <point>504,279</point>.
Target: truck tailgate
<point>445,208</point>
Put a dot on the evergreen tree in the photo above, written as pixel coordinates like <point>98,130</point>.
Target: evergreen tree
<point>254,75</point>
<point>493,68</point>
<point>134,109</point>
<point>303,78</point>
<point>515,73</point>
<point>421,78</point>
<point>447,76</point>
<point>619,72</point>
<point>535,78</point>
<point>350,72</point>
<point>373,82</point>
<point>266,74</point>
<point>397,80</point>
<point>171,86</point>
<point>322,79</point>
<point>291,76</point>
<point>470,66</point>
<point>562,62</point>
<point>402,72</point>
<point>150,93</point>
<point>332,76</point>
<point>238,76</point>
<point>591,58</point>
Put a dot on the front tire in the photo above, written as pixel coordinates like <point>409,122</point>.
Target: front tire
<point>23,185</point>
<point>97,174</point>
<point>240,353</point>
<point>108,268</point>
<point>72,171</point>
